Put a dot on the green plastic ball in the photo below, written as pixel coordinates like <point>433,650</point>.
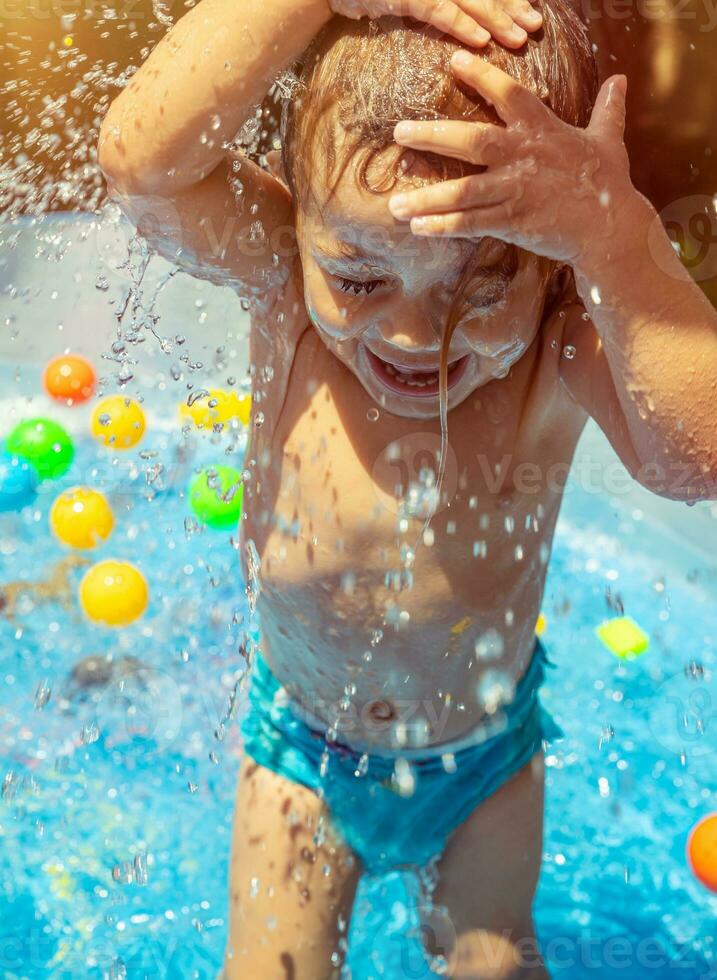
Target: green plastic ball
<point>215,496</point>
<point>44,444</point>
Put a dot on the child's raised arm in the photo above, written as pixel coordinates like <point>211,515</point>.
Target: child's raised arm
<point>643,363</point>
<point>162,144</point>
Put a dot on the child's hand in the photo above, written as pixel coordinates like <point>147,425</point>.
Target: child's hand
<point>473,22</point>
<point>548,187</point>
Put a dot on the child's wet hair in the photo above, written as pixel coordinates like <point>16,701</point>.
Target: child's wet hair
<point>359,78</point>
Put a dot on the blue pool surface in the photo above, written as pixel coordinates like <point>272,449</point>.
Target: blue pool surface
<point>116,805</point>
<point>116,798</point>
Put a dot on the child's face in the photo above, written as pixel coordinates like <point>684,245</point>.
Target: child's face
<point>381,297</point>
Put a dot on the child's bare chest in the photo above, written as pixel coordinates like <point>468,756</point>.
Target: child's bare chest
<point>337,514</point>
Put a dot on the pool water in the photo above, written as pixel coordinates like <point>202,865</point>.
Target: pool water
<point>117,785</point>
<point>116,805</point>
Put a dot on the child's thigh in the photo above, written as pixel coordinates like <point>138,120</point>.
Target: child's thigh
<point>487,879</point>
<point>288,894</point>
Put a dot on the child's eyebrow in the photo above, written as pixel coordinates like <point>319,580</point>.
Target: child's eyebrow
<point>346,251</point>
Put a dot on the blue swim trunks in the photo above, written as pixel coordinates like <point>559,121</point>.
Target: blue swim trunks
<point>392,809</point>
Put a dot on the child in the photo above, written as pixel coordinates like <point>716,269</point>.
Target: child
<point>394,713</point>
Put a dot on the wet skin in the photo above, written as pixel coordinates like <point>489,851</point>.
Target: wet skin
<point>323,507</point>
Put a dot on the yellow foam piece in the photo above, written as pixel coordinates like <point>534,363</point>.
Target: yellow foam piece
<point>225,406</point>
<point>623,637</point>
<point>541,625</point>
<point>461,626</point>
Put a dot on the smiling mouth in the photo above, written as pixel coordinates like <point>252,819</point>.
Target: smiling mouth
<point>414,382</point>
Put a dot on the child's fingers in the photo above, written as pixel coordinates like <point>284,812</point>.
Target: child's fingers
<point>507,20</point>
<point>524,13</point>
<point>498,19</point>
<point>608,115</point>
<point>477,223</point>
<point>474,142</point>
<point>449,18</point>
<point>477,190</point>
<point>513,102</point>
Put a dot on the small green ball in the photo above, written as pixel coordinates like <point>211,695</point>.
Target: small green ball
<point>215,496</point>
<point>44,444</point>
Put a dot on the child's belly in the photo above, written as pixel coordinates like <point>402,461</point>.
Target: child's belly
<point>358,633</point>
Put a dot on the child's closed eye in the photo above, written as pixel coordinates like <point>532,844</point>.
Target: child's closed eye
<point>358,286</point>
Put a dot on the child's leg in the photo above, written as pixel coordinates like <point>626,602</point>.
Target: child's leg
<point>487,879</point>
<point>284,905</point>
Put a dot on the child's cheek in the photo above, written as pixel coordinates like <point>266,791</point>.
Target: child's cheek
<point>335,314</point>
<point>496,342</point>
<point>329,318</point>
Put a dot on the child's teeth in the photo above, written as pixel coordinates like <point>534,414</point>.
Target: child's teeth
<point>411,379</point>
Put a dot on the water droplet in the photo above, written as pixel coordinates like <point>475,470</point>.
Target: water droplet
<point>495,689</point>
<point>42,694</point>
<point>569,352</point>
<point>373,415</point>
<point>90,733</point>
<point>489,645</point>
<point>403,777</point>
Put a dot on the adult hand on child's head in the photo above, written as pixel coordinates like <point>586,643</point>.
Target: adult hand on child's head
<point>472,22</point>
<point>548,187</point>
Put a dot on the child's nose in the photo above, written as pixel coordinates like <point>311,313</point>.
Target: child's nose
<point>411,327</point>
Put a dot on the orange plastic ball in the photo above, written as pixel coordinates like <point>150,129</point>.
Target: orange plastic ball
<point>70,379</point>
<point>702,851</point>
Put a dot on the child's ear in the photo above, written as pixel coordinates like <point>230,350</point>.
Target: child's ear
<point>275,163</point>
<point>561,285</point>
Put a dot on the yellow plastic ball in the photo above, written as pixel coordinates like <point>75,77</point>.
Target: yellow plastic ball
<point>217,407</point>
<point>114,593</point>
<point>81,518</point>
<point>118,422</point>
